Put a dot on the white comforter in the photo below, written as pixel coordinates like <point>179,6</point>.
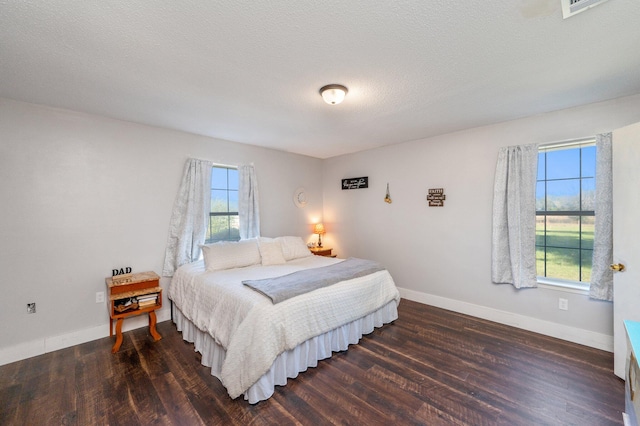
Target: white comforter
<point>254,331</point>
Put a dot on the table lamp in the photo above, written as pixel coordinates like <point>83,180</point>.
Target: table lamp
<point>319,229</point>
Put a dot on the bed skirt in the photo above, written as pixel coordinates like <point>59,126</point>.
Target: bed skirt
<point>289,363</point>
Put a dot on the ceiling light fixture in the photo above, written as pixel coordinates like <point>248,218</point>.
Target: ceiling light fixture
<point>333,94</point>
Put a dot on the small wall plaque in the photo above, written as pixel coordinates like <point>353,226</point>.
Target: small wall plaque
<point>436,197</point>
<point>355,183</point>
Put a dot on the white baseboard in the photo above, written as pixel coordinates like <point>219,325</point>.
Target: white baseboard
<point>548,328</point>
<point>54,343</point>
<point>571,334</point>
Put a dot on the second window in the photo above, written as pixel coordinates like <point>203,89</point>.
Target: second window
<point>565,204</point>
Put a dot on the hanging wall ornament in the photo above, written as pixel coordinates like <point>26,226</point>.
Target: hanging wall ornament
<point>387,197</point>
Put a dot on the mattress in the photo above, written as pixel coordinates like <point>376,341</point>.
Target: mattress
<point>248,333</point>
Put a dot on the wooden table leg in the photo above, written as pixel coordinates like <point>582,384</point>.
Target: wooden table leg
<point>116,346</point>
<point>152,326</point>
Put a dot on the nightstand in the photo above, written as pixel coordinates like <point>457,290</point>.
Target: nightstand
<point>322,251</point>
<point>144,288</point>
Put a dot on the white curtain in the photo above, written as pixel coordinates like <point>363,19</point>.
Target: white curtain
<point>601,275</point>
<point>248,209</point>
<point>514,217</point>
<point>190,216</point>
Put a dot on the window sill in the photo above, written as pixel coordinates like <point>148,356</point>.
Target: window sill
<point>562,285</point>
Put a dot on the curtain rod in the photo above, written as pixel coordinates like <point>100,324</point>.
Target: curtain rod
<point>214,164</point>
<point>568,142</point>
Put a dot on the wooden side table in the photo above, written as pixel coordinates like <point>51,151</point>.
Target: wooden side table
<point>322,251</point>
<point>125,287</point>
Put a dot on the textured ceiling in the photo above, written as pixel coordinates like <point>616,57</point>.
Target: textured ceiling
<point>250,71</point>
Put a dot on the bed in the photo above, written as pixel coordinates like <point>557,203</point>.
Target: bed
<point>253,344</point>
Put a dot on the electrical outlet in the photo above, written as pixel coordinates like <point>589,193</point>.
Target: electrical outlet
<point>31,308</point>
<point>100,297</point>
<point>563,304</point>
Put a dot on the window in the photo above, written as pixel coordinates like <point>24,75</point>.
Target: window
<point>565,203</point>
<point>223,218</point>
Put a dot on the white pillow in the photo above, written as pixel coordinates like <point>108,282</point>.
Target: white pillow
<point>294,248</point>
<point>271,251</point>
<point>230,254</point>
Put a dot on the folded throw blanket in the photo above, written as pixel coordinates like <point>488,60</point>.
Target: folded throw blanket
<point>285,287</point>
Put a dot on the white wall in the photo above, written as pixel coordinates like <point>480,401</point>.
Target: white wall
<point>443,255</point>
<point>83,194</point>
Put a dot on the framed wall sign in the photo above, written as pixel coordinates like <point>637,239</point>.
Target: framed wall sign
<point>355,183</point>
<point>436,197</point>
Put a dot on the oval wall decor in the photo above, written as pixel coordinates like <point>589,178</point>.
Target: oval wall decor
<point>300,197</point>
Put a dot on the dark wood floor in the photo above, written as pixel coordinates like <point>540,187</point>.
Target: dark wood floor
<point>429,367</point>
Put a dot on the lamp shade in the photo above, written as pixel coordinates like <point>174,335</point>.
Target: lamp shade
<point>333,94</point>
<point>318,228</point>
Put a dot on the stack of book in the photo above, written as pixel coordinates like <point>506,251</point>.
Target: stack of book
<point>147,300</point>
